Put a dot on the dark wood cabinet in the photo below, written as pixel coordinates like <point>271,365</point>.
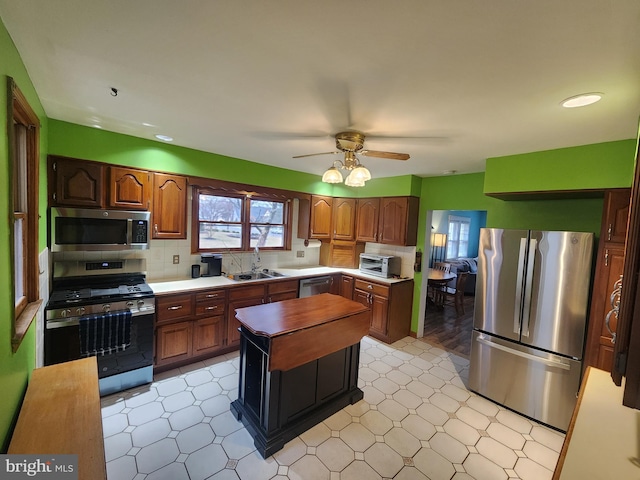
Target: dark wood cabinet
<point>129,189</point>
<point>169,215</point>
<point>346,286</point>
<point>368,211</point>
<point>314,217</point>
<point>609,269</point>
<point>390,306</point>
<point>189,326</point>
<point>341,253</point>
<point>398,221</point>
<point>76,183</point>
<point>344,219</point>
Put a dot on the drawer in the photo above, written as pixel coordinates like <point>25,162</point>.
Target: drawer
<point>250,291</point>
<point>210,308</point>
<point>174,307</point>
<point>376,288</point>
<point>279,287</point>
<point>211,295</point>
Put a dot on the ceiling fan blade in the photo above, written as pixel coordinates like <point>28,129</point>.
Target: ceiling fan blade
<point>314,154</point>
<point>389,155</point>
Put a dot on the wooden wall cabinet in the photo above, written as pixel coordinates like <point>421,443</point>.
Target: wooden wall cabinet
<point>609,267</point>
<point>129,189</point>
<point>76,183</point>
<point>341,254</point>
<point>398,221</point>
<point>390,306</point>
<point>368,212</point>
<point>344,219</point>
<point>169,214</point>
<point>314,217</point>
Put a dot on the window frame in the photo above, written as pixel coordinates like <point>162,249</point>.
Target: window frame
<point>19,112</point>
<point>245,222</point>
<point>455,239</point>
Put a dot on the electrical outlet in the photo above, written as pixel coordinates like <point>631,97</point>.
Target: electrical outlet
<point>300,253</point>
<point>176,259</point>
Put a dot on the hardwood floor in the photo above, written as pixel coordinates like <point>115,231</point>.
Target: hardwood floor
<point>444,328</point>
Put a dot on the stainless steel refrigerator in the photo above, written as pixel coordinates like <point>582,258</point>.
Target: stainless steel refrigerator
<point>532,291</point>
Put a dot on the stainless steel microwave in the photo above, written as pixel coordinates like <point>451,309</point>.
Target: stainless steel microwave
<point>84,229</point>
<point>380,265</point>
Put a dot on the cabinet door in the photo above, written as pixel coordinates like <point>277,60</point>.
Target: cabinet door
<point>367,219</point>
<point>169,206</point>
<point>379,314</point>
<point>344,218</point>
<point>208,334</point>
<point>129,188</point>
<point>398,222</point>
<point>77,183</point>
<point>346,286</point>
<point>320,218</point>
<point>174,342</point>
<point>599,345</point>
<point>616,207</point>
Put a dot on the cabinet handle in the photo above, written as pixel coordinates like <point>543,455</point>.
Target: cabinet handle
<point>270,301</point>
<point>175,307</point>
<point>212,295</point>
<point>211,308</point>
<point>155,229</point>
<point>370,287</point>
<point>609,230</point>
<point>606,257</point>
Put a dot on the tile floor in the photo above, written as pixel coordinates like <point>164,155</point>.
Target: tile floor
<point>417,421</point>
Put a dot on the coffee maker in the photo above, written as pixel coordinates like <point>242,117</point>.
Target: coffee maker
<point>214,264</point>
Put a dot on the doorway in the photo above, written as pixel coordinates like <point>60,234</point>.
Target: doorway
<point>452,237</point>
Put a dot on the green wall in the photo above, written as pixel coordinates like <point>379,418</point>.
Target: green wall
<point>597,166</point>
<point>15,368</point>
<point>71,140</point>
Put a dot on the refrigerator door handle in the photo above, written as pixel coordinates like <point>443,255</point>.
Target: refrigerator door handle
<point>550,363</point>
<point>518,303</point>
<point>526,306</point>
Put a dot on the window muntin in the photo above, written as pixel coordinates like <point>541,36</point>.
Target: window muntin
<point>458,237</point>
<point>239,222</point>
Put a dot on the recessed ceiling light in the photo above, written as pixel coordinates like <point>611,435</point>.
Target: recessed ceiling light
<point>97,126</point>
<point>147,124</point>
<point>164,138</point>
<point>582,100</point>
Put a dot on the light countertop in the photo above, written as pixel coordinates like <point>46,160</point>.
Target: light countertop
<point>188,284</point>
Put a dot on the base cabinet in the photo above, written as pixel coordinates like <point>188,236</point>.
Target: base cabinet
<point>174,343</point>
<point>390,306</point>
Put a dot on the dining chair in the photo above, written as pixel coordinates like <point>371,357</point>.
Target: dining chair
<point>444,266</point>
<point>454,296</point>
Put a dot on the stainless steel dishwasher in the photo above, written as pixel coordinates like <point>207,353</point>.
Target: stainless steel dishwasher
<point>314,286</point>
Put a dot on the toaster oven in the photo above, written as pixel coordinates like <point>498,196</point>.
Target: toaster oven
<point>386,266</point>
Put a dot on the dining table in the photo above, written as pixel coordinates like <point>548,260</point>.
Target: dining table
<point>438,279</point>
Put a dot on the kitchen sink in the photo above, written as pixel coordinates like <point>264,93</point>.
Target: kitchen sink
<point>256,275</point>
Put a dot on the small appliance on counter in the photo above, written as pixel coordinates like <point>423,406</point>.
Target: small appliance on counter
<point>214,264</point>
<point>386,266</point>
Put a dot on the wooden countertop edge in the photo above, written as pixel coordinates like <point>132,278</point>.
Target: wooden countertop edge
<point>567,439</point>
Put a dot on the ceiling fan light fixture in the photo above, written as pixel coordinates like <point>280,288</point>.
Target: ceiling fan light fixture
<point>353,180</point>
<point>361,172</point>
<point>332,175</point>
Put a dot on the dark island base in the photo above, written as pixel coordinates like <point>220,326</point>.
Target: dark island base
<point>277,406</point>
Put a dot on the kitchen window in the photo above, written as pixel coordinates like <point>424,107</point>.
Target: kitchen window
<point>241,222</point>
<point>24,140</point>
<point>458,237</point>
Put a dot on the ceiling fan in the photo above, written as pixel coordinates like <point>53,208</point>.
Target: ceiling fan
<point>351,143</point>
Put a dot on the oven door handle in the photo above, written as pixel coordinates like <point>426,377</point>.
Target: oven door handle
<point>62,322</point>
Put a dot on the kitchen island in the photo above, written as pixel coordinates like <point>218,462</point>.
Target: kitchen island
<point>298,365</point>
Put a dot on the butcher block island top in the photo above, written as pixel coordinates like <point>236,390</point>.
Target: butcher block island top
<point>305,329</point>
<point>298,365</point>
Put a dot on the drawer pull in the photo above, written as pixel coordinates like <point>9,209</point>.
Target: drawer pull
<point>212,295</point>
<point>211,308</point>
<point>370,287</point>
<point>175,307</point>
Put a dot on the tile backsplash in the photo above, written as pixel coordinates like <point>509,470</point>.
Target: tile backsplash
<point>160,267</point>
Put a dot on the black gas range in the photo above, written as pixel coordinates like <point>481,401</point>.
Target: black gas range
<point>104,309</point>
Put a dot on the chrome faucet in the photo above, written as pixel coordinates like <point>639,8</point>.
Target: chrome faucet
<point>255,260</point>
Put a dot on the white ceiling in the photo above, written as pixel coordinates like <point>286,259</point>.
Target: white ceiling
<point>265,81</point>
